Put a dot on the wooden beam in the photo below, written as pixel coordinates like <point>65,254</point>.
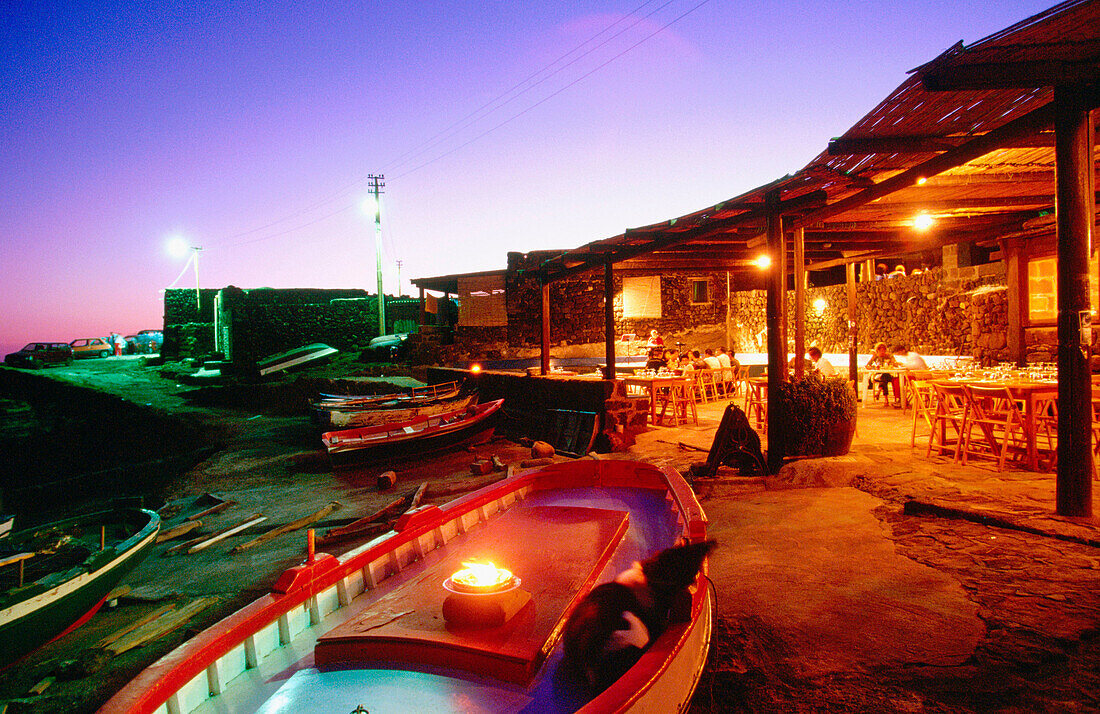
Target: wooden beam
<point>775,318</point>
<point>609,319</point>
<point>858,146</point>
<point>977,76</point>
<point>544,342</point>
<point>1030,123</point>
<point>1075,168</point>
<point>799,300</point>
<point>672,238</point>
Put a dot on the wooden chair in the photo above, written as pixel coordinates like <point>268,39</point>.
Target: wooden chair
<point>709,384</point>
<point>950,413</point>
<point>1046,430</point>
<point>677,403</point>
<point>756,402</point>
<point>995,412</point>
<point>924,406</point>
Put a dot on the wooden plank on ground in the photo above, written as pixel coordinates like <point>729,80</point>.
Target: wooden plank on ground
<point>226,532</point>
<point>110,639</point>
<point>293,526</point>
<point>177,531</point>
<point>161,626</point>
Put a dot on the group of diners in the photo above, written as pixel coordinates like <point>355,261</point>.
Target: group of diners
<point>669,358</point>
<point>883,361</point>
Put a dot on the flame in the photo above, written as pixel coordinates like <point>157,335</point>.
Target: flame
<point>481,575</point>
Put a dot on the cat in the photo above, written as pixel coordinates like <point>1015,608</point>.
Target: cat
<point>610,628</point>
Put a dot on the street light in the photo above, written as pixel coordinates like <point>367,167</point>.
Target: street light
<point>178,247</point>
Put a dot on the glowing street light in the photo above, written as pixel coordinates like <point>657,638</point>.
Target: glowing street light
<point>178,247</point>
<point>923,222</point>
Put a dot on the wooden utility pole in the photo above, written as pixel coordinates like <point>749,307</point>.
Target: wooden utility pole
<point>1074,204</point>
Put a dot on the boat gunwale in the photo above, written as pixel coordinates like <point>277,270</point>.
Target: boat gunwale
<point>156,684</point>
<point>360,437</point>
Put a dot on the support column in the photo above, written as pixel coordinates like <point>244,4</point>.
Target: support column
<point>799,300</point>
<point>777,347</point>
<point>423,309</point>
<point>1016,295</point>
<point>853,322</point>
<point>544,363</point>
<point>1074,198</point>
<point>609,320</point>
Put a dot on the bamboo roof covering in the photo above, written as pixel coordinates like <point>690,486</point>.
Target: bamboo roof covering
<point>966,139</point>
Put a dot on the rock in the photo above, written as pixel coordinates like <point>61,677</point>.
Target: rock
<point>386,480</point>
<point>541,449</point>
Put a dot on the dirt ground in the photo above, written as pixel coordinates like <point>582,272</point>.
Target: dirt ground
<point>874,582</point>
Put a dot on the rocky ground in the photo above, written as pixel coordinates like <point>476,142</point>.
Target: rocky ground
<point>872,582</point>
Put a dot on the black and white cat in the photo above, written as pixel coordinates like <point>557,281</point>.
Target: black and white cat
<point>610,628</point>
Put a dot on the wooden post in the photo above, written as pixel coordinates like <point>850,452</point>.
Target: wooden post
<point>1074,198</point>
<point>853,331</point>
<point>423,309</point>
<point>729,317</point>
<point>544,364</point>
<point>1016,295</point>
<point>869,270</point>
<point>777,346</point>
<point>609,320</point>
<point>799,300</point>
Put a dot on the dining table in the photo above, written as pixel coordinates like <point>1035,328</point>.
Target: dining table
<point>1034,394</point>
<point>650,384</point>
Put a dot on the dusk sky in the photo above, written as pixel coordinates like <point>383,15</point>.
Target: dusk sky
<point>250,129</point>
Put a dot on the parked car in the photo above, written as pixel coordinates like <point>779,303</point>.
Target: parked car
<point>148,341</point>
<point>41,354</point>
<point>91,347</point>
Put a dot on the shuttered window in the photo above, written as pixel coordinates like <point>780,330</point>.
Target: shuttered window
<point>642,297</point>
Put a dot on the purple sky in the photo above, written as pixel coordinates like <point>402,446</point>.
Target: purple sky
<point>251,132</point>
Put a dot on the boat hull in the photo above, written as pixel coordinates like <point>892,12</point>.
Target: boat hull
<point>336,418</point>
<point>271,642</point>
<point>408,439</point>
<point>49,609</point>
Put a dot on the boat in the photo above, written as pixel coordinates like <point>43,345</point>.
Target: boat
<point>368,630</point>
<point>397,410</point>
<point>416,436</point>
<point>295,357</point>
<point>56,576</point>
<point>428,391</point>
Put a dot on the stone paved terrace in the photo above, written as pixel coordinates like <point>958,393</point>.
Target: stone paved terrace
<point>887,581</point>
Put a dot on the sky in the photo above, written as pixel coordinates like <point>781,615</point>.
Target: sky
<point>249,130</point>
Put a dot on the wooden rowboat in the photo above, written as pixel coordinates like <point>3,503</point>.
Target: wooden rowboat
<point>428,391</point>
<point>420,435</point>
<point>367,630</point>
<point>56,576</point>
<point>294,358</point>
<point>351,417</point>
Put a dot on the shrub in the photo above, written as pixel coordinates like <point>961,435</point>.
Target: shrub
<point>814,414</point>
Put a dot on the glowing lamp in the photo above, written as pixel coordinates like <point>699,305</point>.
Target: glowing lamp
<point>820,305</point>
<point>482,595</point>
<point>763,261</point>
<point>922,180</point>
<point>476,368</point>
<point>923,222</point>
<point>178,247</point>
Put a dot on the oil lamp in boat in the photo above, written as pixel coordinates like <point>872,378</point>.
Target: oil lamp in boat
<point>482,595</point>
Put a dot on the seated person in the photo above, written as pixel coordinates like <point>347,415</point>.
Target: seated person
<point>821,364</point>
<point>883,360</point>
<point>656,358</point>
<point>655,340</point>
<point>807,365</point>
<point>697,360</point>
<point>710,360</point>
<point>909,359</point>
<point>685,363</point>
<point>726,380</point>
<point>672,358</point>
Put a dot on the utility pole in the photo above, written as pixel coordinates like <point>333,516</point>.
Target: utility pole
<point>376,184</point>
<point>400,292</point>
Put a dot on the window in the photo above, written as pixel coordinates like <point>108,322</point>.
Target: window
<point>700,291</point>
<point>642,297</point>
<point>1042,289</point>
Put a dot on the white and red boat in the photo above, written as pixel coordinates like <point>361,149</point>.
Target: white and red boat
<point>370,630</point>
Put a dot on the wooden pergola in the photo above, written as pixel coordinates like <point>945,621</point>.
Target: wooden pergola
<point>994,142</point>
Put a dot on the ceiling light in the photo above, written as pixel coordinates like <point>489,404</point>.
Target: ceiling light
<point>923,222</point>
<point>763,261</point>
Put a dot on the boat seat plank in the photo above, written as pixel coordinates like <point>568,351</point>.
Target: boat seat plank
<point>14,558</point>
<point>558,552</point>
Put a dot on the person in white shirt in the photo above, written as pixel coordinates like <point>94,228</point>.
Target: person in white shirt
<point>727,369</point>
<point>821,363</point>
<point>710,359</point>
<point>908,359</point>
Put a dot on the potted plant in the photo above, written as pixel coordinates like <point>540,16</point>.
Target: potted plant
<point>818,416</point>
